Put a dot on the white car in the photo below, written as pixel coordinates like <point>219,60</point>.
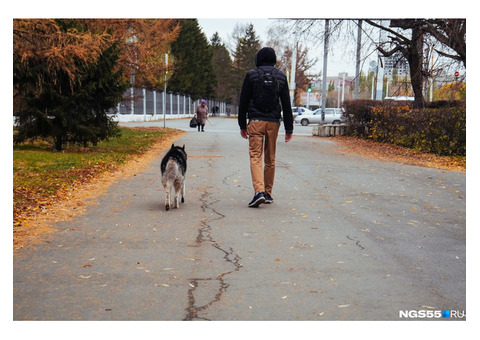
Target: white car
<point>331,116</point>
<point>303,111</point>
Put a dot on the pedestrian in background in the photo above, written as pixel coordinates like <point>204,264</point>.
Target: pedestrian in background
<point>263,89</point>
<point>202,114</point>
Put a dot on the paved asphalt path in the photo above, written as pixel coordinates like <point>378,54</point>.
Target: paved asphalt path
<point>348,238</point>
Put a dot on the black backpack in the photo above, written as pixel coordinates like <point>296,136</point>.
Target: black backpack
<point>266,91</point>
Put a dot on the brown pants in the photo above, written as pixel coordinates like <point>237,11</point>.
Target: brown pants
<point>262,136</point>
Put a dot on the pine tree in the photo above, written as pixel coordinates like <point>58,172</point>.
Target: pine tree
<point>247,47</point>
<point>71,101</point>
<point>193,73</point>
<point>244,56</point>
<point>222,67</point>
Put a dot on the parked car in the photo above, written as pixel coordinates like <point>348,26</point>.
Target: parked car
<point>303,111</point>
<point>332,116</point>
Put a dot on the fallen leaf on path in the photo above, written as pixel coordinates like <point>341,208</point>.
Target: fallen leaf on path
<point>429,307</point>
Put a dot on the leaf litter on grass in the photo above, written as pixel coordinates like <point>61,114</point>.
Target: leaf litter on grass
<point>49,187</point>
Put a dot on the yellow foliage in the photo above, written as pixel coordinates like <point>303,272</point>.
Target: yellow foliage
<point>144,42</point>
<point>452,91</point>
<point>43,41</point>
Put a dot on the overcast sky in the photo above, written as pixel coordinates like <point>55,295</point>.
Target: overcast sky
<point>217,15</point>
<point>338,60</point>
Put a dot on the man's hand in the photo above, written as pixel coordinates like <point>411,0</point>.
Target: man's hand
<point>288,137</point>
<point>244,134</point>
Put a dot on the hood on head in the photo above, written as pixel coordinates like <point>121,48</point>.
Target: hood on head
<point>265,56</point>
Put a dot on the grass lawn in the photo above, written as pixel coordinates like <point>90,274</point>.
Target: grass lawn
<point>42,176</point>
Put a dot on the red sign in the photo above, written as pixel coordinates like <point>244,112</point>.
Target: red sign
<point>457,74</point>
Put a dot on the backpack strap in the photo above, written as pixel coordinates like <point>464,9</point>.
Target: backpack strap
<point>260,72</point>
<point>274,72</point>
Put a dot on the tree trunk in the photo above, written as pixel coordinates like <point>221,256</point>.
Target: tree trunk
<point>415,59</point>
<point>58,143</point>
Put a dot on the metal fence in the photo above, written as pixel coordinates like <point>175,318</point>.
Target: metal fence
<point>139,101</point>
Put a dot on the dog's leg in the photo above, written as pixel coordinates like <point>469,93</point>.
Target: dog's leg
<point>179,197</point>
<point>183,191</point>
<point>178,191</point>
<point>177,205</point>
<point>167,201</point>
<point>167,197</point>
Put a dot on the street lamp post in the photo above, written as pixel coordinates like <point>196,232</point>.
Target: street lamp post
<point>293,71</point>
<point>165,91</point>
<point>325,56</point>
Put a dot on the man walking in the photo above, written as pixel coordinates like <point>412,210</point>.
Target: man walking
<point>262,91</point>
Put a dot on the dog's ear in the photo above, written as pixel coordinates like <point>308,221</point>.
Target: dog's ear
<point>183,147</point>
<point>173,146</point>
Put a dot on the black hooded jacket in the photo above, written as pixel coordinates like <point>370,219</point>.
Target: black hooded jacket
<point>265,59</point>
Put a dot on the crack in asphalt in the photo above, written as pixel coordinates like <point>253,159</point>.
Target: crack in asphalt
<point>205,236</point>
<point>357,243</point>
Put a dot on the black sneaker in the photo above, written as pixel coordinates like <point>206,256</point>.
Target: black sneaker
<point>268,199</point>
<point>258,199</point>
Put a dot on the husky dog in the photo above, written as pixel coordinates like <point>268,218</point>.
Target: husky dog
<point>173,167</point>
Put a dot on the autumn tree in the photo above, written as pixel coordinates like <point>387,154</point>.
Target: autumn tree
<point>285,38</point>
<point>69,72</point>
<point>304,65</point>
<point>452,91</point>
<point>61,92</point>
<point>411,47</point>
<point>46,51</point>
<point>451,33</point>
<point>193,73</point>
<point>65,80</point>
<point>143,44</point>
